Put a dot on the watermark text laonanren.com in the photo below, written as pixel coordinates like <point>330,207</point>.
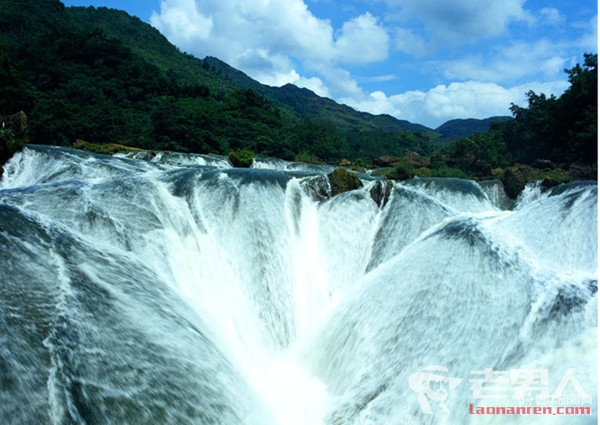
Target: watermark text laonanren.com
<point>530,410</point>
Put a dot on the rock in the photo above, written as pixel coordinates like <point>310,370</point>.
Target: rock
<point>582,172</point>
<point>386,161</point>
<point>497,173</point>
<point>15,122</point>
<point>342,181</point>
<point>380,192</point>
<point>416,160</point>
<point>543,164</point>
<point>345,163</point>
<point>145,155</point>
<point>515,178</point>
<point>549,183</point>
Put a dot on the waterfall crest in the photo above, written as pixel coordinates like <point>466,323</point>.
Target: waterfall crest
<point>182,291</point>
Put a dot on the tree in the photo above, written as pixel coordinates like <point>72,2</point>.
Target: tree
<point>321,139</point>
<point>474,156</point>
<point>15,93</point>
<point>563,130</point>
<point>579,106</point>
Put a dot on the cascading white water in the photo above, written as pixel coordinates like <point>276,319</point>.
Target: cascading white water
<point>183,291</point>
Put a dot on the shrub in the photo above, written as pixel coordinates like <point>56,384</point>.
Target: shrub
<point>449,172</point>
<point>8,145</point>
<point>242,158</point>
<point>308,158</point>
<point>402,171</point>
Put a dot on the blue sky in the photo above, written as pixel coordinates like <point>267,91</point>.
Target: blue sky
<point>426,61</point>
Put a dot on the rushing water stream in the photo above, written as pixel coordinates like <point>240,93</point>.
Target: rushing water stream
<point>181,291</point>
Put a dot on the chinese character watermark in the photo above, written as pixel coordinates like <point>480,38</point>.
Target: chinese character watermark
<point>528,386</point>
<point>525,385</point>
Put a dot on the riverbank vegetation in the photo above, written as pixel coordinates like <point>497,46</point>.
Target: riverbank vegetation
<point>83,81</point>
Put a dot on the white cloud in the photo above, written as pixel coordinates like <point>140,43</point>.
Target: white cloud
<point>375,103</point>
<point>551,16</point>
<point>234,30</point>
<point>408,42</point>
<point>341,83</point>
<point>273,70</point>
<point>183,20</point>
<point>362,40</point>
<point>588,42</point>
<point>379,78</point>
<point>264,38</point>
<point>470,99</point>
<point>277,41</point>
<point>511,62</point>
<point>278,79</point>
<point>315,84</point>
<point>460,21</point>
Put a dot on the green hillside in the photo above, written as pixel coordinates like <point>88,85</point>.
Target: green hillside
<point>103,76</point>
<point>148,43</point>
<point>453,130</point>
<point>218,75</point>
<point>97,76</point>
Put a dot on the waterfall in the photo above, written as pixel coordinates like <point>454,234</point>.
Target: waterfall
<point>178,290</point>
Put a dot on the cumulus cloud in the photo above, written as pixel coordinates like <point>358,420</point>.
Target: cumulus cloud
<point>238,31</point>
<point>459,21</point>
<point>184,20</point>
<point>341,82</point>
<point>362,40</point>
<point>588,42</point>
<point>551,16</point>
<point>407,41</point>
<point>470,99</point>
<point>315,84</point>
<point>510,63</point>
<point>282,41</point>
<point>265,38</point>
<point>270,69</point>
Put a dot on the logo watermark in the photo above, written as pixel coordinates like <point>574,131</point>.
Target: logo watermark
<point>528,388</point>
<point>432,386</point>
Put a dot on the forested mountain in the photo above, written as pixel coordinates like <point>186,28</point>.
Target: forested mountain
<point>218,75</point>
<point>552,138</point>
<point>102,76</point>
<point>453,130</point>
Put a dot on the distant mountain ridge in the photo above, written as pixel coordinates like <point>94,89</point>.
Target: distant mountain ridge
<point>147,41</point>
<point>97,77</point>
<point>100,75</point>
<point>454,129</point>
<point>308,103</point>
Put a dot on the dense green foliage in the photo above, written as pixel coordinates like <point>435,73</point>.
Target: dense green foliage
<point>402,171</point>
<point>549,133</point>
<point>562,130</point>
<point>8,145</point>
<point>242,158</point>
<point>102,76</point>
<point>147,43</point>
<point>12,135</point>
<point>475,156</point>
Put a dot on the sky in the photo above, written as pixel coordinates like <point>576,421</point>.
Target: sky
<point>425,61</point>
